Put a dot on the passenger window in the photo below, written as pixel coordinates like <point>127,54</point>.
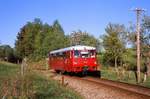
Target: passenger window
<point>76,54</point>
<point>64,54</point>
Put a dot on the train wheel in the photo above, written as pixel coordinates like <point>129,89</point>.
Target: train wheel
<point>71,73</point>
<point>62,72</point>
<point>81,74</point>
<point>97,74</point>
<point>84,73</point>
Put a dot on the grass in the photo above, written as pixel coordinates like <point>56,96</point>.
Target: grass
<point>8,69</point>
<point>109,73</point>
<point>48,89</point>
<point>31,85</point>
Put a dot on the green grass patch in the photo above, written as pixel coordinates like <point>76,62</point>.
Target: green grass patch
<point>8,69</point>
<point>128,77</point>
<point>48,89</point>
<point>31,85</point>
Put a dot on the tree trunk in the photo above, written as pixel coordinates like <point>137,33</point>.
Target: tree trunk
<point>135,72</point>
<point>116,69</point>
<point>116,62</point>
<point>148,65</point>
<point>145,77</point>
<point>148,68</point>
<point>129,74</point>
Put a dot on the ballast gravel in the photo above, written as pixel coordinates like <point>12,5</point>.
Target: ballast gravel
<point>90,90</point>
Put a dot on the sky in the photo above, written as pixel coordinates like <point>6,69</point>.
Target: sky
<point>87,15</point>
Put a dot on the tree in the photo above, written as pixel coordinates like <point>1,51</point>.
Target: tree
<point>36,39</point>
<point>25,43</point>
<point>54,38</point>
<point>145,40</point>
<point>58,35</point>
<point>82,38</point>
<point>7,53</point>
<point>2,54</point>
<point>40,50</point>
<point>114,44</point>
<point>144,36</point>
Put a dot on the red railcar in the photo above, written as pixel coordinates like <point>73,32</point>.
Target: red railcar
<point>74,59</point>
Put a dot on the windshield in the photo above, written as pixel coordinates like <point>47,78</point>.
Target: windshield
<point>84,54</point>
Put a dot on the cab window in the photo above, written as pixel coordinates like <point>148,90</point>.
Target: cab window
<point>76,53</point>
<point>85,54</point>
<point>92,54</point>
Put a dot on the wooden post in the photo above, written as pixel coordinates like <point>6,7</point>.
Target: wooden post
<point>18,61</point>
<point>46,63</point>
<point>62,80</point>
<point>23,66</point>
<point>22,69</point>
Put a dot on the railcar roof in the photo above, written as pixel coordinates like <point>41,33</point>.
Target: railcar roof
<point>77,47</point>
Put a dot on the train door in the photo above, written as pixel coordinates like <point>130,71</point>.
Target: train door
<point>67,61</point>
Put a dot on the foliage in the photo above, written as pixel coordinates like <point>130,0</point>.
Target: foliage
<point>114,44</point>
<point>8,54</point>
<point>129,59</point>
<point>36,39</point>
<point>144,41</point>
<point>146,29</point>
<point>127,77</point>
<point>83,38</point>
<point>145,35</point>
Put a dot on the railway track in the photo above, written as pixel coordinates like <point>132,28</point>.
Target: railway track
<point>125,86</point>
<point>102,88</point>
<point>134,89</point>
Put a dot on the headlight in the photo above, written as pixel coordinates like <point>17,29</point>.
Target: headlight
<point>74,62</point>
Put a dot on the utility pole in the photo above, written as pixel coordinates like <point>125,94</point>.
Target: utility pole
<point>138,13</point>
